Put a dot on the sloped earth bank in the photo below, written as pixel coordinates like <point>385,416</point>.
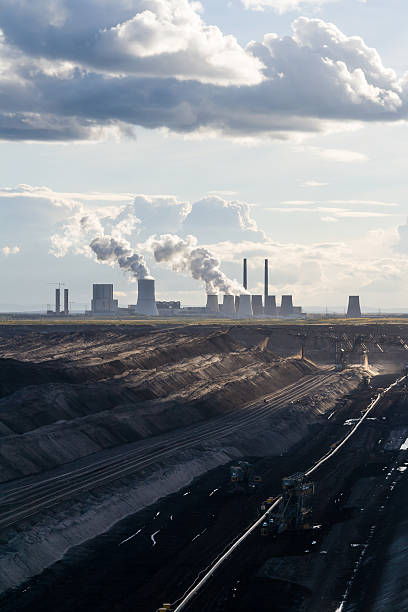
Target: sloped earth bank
<point>73,393</point>
<point>153,555</point>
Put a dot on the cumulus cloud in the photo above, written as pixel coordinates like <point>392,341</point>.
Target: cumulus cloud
<point>210,219</point>
<point>86,70</point>
<point>7,250</point>
<point>160,214</point>
<point>165,38</point>
<point>213,218</point>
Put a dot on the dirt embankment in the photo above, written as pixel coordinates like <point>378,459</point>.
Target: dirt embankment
<point>68,395</point>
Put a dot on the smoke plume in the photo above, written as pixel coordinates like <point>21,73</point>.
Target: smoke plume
<point>184,256</point>
<point>118,251</point>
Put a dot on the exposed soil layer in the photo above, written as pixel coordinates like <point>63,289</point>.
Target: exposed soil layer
<point>70,394</point>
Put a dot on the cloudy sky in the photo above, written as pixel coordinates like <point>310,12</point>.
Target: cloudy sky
<point>220,129</point>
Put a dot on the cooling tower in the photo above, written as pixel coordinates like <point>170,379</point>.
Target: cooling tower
<point>66,303</point>
<point>353,309</point>
<point>245,308</point>
<point>236,303</point>
<point>270,305</point>
<point>257,306</point>
<point>58,301</point>
<point>228,305</point>
<point>245,275</point>
<point>286,306</point>
<point>212,303</point>
<point>146,300</point>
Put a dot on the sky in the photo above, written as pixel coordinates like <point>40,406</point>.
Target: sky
<point>172,138</point>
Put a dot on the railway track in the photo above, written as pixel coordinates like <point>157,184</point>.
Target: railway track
<point>204,576</point>
<point>28,499</point>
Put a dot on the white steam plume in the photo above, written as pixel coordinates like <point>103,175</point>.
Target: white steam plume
<point>184,256</point>
<point>118,251</point>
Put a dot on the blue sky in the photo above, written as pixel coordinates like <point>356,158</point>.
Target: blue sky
<point>275,133</point>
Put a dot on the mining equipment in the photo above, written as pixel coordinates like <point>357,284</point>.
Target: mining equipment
<point>291,513</point>
<point>165,608</point>
<point>243,478</point>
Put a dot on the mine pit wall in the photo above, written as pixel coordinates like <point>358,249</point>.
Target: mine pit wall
<point>47,537</point>
<point>45,426</point>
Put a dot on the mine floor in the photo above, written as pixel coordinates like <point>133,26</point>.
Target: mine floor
<point>154,555</point>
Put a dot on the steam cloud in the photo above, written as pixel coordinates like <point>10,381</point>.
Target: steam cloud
<point>184,256</point>
<point>115,250</point>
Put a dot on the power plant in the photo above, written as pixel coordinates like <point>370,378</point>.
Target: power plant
<point>243,305</point>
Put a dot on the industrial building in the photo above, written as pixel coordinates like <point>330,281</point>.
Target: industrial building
<point>243,305</point>
<point>102,299</point>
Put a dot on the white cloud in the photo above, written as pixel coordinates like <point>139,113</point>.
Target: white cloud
<point>7,250</point>
<point>283,6</point>
<point>165,38</point>
<point>156,64</point>
<point>313,183</point>
<point>346,202</point>
<point>331,207</point>
<point>336,155</point>
<point>213,219</point>
<point>328,219</point>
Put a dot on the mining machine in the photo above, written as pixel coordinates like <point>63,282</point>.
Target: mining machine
<point>291,512</point>
<point>243,478</point>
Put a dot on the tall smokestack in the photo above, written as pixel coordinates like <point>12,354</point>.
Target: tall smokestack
<point>57,300</point>
<point>146,300</point>
<point>66,305</point>
<point>245,279</point>
<point>353,309</point>
<point>266,288</point>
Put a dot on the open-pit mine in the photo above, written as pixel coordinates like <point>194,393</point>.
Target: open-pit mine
<point>214,466</point>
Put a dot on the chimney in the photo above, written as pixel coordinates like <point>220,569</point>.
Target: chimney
<point>245,279</point>
<point>353,309</point>
<point>266,288</point>
<point>66,304</point>
<point>228,305</point>
<point>286,306</point>
<point>257,306</point>
<point>212,303</point>
<point>245,308</point>
<point>146,300</point>
<point>57,300</point>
